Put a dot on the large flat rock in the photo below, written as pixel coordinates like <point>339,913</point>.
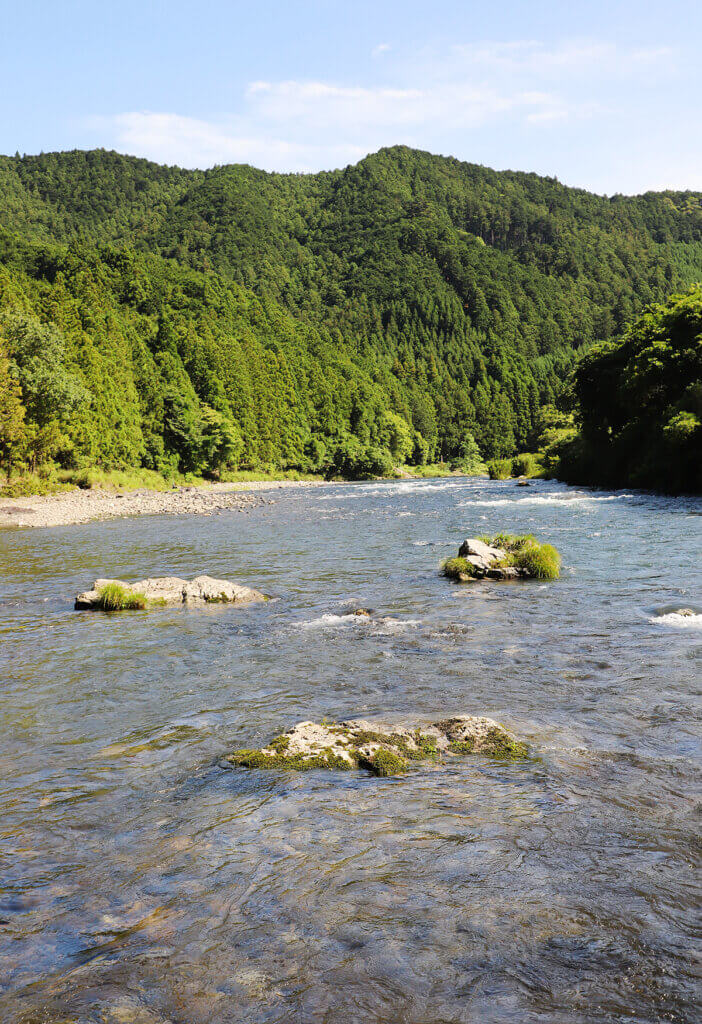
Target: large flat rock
<point>171,590</point>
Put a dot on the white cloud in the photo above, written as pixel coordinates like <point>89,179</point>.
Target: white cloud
<point>380,49</point>
<point>569,58</point>
<point>192,142</point>
<point>442,101</point>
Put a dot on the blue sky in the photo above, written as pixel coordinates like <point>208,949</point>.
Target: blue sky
<point>604,95</point>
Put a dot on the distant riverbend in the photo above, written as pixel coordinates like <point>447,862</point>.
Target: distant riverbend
<point>147,879</point>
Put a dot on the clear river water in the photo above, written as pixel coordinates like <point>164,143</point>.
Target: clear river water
<point>143,882</point>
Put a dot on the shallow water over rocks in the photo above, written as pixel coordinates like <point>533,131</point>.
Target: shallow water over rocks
<point>141,880</point>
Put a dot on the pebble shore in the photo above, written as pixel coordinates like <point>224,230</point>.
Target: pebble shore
<point>72,507</point>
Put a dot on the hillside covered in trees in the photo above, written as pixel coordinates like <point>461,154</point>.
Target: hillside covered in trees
<point>337,322</point>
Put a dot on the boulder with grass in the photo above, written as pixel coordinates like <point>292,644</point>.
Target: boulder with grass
<point>503,557</point>
<point>380,748</point>
<point>116,595</point>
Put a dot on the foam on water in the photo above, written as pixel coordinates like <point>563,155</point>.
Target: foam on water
<point>678,621</point>
<point>331,621</point>
<point>399,487</point>
<point>546,499</point>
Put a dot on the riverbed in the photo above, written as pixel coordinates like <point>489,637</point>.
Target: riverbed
<point>141,880</point>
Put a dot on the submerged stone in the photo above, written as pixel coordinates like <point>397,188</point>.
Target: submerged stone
<point>165,590</point>
<point>382,749</point>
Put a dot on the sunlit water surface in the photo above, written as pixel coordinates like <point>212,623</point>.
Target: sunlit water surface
<point>142,881</point>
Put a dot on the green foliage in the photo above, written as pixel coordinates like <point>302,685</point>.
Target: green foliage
<point>114,598</point>
<point>529,464</point>
<point>499,469</point>
<point>469,460</point>
<point>431,471</point>
<point>12,413</point>
<point>640,404</point>
<point>33,483</point>
<point>526,464</point>
<point>541,561</point>
<point>457,568</point>
<point>396,436</point>
<point>353,460</point>
<point>338,323</point>
<point>511,541</point>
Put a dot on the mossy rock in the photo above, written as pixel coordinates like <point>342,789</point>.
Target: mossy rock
<point>503,557</point>
<point>116,595</point>
<point>383,750</point>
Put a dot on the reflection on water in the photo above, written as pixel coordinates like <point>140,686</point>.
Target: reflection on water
<point>141,881</point>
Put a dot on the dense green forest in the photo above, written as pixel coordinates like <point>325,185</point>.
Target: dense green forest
<point>399,310</point>
<point>639,402</point>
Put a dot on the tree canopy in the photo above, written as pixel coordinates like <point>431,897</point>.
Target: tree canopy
<point>640,403</point>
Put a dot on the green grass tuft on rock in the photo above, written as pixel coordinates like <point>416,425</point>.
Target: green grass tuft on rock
<point>457,568</point>
<point>114,598</point>
<point>541,561</point>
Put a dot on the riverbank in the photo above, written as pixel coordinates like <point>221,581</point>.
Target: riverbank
<point>83,506</point>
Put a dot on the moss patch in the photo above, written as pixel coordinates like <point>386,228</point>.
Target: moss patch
<point>462,746</point>
<point>384,763</point>
<point>325,759</point>
<point>502,747</point>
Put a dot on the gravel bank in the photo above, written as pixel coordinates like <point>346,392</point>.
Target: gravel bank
<point>84,506</point>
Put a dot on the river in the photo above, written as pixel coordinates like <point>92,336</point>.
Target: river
<point>142,882</point>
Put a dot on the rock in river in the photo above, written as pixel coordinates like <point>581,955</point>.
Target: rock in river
<point>505,557</point>
<point>115,595</point>
<point>382,749</point>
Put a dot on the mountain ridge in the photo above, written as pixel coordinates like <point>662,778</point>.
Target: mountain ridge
<point>460,296</point>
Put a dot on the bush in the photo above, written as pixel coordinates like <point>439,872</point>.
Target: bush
<point>30,484</point>
<point>115,598</point>
<point>526,465</point>
<point>355,461</point>
<point>499,469</point>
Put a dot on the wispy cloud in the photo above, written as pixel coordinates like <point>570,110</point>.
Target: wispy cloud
<point>380,49</point>
<point>568,59</point>
<point>193,142</point>
<point>428,99</point>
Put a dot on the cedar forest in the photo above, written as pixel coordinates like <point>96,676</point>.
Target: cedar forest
<point>409,309</point>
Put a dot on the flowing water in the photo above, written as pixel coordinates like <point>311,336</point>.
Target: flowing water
<point>142,881</point>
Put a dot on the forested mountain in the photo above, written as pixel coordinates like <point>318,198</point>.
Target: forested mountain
<point>336,320</point>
